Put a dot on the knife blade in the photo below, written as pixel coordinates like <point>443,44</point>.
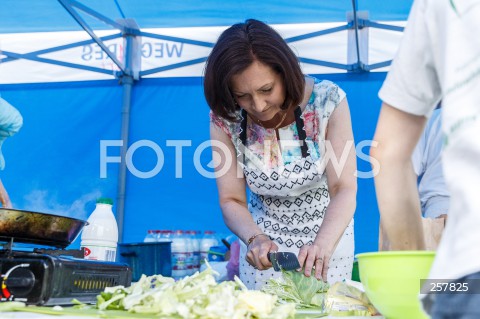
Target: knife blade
<point>283,260</point>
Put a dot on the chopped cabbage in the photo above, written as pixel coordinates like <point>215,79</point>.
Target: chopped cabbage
<point>195,297</point>
<point>295,287</point>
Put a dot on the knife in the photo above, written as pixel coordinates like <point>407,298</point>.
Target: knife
<point>283,260</point>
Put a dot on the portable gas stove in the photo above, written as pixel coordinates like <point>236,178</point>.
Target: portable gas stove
<point>56,276</point>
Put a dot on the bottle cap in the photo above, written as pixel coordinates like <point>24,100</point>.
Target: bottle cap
<point>105,200</point>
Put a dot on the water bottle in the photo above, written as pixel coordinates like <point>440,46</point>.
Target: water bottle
<point>165,236</point>
<point>100,236</point>
<point>157,235</point>
<point>196,249</point>
<point>179,255</point>
<point>189,256</point>
<point>150,238</point>
<point>207,241</point>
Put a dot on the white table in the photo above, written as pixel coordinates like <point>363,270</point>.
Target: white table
<point>29,315</point>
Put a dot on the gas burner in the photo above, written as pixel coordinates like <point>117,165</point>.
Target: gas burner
<point>42,276</point>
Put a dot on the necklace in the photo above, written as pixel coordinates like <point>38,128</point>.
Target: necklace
<point>276,126</point>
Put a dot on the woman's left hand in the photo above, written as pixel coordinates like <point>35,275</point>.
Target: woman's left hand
<point>315,256</point>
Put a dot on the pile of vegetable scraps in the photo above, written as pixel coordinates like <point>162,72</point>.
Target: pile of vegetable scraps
<point>194,297</point>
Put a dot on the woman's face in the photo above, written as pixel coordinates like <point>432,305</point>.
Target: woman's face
<point>259,91</point>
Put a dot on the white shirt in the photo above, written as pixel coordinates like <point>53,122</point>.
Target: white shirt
<point>439,60</point>
<point>427,163</point>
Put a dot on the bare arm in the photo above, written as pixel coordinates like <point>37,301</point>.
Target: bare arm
<point>233,202</point>
<point>4,199</point>
<point>342,184</point>
<point>397,134</point>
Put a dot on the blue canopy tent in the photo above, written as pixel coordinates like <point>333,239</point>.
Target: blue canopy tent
<point>108,114</point>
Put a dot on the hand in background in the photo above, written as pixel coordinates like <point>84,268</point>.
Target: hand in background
<point>4,199</point>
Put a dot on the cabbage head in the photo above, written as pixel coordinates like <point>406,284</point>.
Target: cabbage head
<point>305,287</point>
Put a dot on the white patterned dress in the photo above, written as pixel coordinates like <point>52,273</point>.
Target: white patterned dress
<point>288,185</point>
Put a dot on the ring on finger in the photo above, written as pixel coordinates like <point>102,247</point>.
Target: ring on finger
<point>319,258</point>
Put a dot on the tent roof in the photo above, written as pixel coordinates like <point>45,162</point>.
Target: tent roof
<point>49,15</point>
<point>176,35</point>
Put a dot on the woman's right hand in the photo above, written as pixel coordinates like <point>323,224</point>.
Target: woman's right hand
<point>257,254</point>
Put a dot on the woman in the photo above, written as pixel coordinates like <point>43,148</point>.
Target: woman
<point>282,134</point>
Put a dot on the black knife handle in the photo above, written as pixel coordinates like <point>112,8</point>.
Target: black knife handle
<point>272,257</point>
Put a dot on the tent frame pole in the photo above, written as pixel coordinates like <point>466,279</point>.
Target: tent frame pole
<point>132,66</point>
<point>127,82</point>
<point>129,72</point>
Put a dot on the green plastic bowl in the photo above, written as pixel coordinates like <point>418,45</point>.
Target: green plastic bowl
<point>392,281</point>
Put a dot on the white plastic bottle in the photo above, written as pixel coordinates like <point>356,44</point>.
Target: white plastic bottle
<point>100,236</point>
<point>151,237</point>
<point>165,236</point>
<point>157,235</point>
<point>207,241</point>
<point>196,250</point>
<point>179,255</point>
<point>190,253</point>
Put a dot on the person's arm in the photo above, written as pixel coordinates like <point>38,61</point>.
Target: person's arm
<point>342,186</point>
<point>233,201</point>
<point>434,194</point>
<point>397,134</point>
<point>4,199</point>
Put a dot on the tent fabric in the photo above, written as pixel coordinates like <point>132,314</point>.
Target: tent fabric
<point>67,153</point>
<point>47,16</point>
<point>44,57</point>
<point>181,49</point>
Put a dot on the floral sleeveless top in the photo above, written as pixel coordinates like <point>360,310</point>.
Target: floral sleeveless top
<point>324,98</point>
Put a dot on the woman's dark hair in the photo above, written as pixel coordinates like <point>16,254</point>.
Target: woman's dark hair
<point>236,49</point>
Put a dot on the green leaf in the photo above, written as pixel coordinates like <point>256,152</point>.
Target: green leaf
<point>306,287</point>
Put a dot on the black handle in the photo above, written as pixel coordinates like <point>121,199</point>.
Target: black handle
<point>129,254</point>
<point>20,282</point>
<point>226,243</point>
<point>272,257</point>
<point>269,256</point>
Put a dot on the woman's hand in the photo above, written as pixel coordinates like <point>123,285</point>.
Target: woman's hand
<point>315,256</point>
<point>4,199</point>
<point>257,254</point>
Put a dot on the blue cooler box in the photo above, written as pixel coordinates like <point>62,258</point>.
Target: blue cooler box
<point>147,258</point>
<point>217,253</point>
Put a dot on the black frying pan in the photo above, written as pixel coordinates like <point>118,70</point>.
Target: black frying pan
<point>38,228</point>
